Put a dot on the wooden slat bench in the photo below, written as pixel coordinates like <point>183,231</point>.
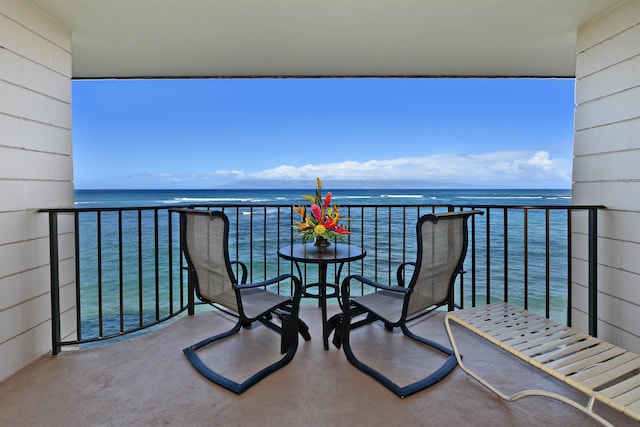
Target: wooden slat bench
<point>602,371</point>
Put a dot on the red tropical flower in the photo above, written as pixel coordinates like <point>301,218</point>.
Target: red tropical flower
<point>327,200</point>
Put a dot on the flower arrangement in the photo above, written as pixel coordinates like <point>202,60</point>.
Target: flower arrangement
<point>323,221</point>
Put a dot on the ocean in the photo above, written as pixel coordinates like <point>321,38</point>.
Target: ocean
<point>128,290</point>
<point>128,198</point>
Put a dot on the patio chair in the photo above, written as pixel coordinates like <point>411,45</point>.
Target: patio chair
<point>204,237</point>
<point>441,249</point>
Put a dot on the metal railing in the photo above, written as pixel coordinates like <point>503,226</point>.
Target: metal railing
<point>129,273</point>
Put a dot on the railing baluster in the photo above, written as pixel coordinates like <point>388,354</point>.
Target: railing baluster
<point>505,256</point>
<point>170,260</point>
<point>375,245</point>
<point>156,264</point>
<point>488,255</point>
<point>389,228</point>
<point>264,246</point>
<point>120,274</point>
<point>76,240</point>
<point>362,233</point>
<point>547,246</point>
<point>569,268</point>
<point>140,273</point>
<point>593,272</point>
<point>99,232</point>
<point>525,273</point>
<point>473,264</point>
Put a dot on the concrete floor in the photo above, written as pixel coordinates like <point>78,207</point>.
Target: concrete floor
<point>146,381</point>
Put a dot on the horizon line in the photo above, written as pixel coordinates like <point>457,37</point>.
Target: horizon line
<point>335,188</point>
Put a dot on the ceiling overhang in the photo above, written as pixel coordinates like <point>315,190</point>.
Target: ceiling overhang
<point>312,38</point>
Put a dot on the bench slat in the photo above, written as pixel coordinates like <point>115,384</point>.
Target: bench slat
<point>538,341</point>
<point>630,386</point>
<point>585,358</point>
<point>558,342</point>
<point>530,339</point>
<point>503,329</point>
<point>577,343</point>
<point>612,370</point>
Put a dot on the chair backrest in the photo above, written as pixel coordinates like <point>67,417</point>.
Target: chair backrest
<point>205,236</point>
<point>442,246</point>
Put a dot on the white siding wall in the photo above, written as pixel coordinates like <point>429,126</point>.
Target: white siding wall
<point>606,168</point>
<point>36,171</point>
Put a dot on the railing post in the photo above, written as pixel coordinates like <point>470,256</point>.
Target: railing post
<point>593,272</point>
<point>55,283</point>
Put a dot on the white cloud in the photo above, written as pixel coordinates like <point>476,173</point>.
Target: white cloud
<point>167,177</point>
<point>236,174</point>
<point>497,167</point>
<point>501,169</point>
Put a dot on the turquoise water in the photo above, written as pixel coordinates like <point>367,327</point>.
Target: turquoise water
<point>123,198</point>
<point>145,275</point>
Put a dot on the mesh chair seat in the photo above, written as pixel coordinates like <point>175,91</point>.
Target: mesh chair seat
<point>384,304</point>
<point>255,302</point>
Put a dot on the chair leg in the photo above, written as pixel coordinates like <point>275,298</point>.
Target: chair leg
<point>289,346</point>
<point>402,392</point>
<point>303,329</point>
<point>289,332</point>
<point>200,366</point>
<point>334,323</point>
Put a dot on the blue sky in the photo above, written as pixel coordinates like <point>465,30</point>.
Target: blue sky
<point>352,133</point>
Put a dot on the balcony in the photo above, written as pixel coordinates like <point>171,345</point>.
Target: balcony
<point>131,277</point>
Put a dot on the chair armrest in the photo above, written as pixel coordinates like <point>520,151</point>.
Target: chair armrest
<point>346,292</point>
<point>243,278</point>
<point>400,272</point>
